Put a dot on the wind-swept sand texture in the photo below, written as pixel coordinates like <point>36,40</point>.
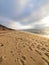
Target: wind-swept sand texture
<point>20,48</point>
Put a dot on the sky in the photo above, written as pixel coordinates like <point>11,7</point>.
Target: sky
<point>24,14</point>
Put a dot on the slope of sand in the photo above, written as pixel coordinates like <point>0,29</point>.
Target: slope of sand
<point>20,48</point>
<point>3,28</point>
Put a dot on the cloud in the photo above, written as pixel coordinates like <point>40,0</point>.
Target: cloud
<point>45,20</point>
<point>13,24</point>
<point>17,25</point>
<point>14,9</point>
<point>23,13</point>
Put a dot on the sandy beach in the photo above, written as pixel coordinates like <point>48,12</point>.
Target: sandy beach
<point>21,48</point>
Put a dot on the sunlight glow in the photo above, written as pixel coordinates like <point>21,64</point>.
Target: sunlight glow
<point>46,21</point>
<point>17,25</point>
<point>22,3</point>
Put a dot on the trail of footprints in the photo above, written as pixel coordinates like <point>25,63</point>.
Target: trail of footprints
<point>42,50</point>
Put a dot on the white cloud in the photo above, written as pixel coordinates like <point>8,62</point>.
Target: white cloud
<point>45,20</point>
<point>18,25</point>
<point>22,14</point>
<point>22,2</point>
<point>13,24</point>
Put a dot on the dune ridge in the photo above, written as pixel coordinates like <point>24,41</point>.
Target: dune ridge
<point>4,28</point>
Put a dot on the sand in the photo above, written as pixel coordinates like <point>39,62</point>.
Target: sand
<point>21,48</point>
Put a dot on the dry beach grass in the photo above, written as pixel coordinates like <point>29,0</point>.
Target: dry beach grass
<point>20,48</point>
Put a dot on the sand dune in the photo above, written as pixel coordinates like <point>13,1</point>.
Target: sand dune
<point>4,28</point>
<point>20,48</point>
